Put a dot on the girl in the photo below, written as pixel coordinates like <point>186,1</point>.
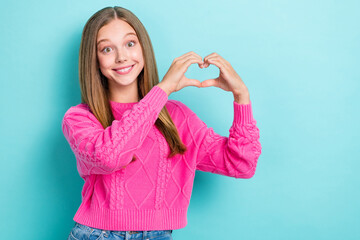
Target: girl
<point>137,150</point>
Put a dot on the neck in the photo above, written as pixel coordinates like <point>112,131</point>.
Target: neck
<point>124,94</point>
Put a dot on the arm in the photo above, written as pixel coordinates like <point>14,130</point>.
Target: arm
<point>234,156</point>
<point>102,151</point>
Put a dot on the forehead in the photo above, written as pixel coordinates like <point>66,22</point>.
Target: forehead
<point>116,28</point>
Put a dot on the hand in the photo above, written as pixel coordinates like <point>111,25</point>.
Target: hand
<point>175,79</point>
<point>228,79</point>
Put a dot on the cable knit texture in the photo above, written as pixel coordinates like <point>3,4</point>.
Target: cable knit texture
<point>153,192</point>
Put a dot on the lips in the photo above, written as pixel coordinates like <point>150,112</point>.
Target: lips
<point>121,70</point>
<point>123,67</point>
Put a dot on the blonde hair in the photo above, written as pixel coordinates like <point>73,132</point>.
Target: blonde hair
<point>94,86</point>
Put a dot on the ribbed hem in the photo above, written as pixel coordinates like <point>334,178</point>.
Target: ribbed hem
<point>242,113</point>
<point>132,219</point>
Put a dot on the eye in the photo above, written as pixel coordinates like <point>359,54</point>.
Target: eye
<point>105,49</point>
<point>131,42</point>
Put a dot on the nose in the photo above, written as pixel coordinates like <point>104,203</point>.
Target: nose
<point>121,56</point>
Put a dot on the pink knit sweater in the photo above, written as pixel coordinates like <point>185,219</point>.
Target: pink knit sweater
<point>153,192</point>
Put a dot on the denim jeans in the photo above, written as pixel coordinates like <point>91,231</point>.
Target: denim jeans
<point>82,232</point>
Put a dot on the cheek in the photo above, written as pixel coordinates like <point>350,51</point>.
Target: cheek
<point>104,66</point>
<point>104,61</point>
<point>137,55</point>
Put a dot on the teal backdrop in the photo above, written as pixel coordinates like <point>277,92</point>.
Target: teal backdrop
<point>300,61</point>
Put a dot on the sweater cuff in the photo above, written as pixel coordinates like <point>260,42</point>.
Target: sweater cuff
<point>242,114</point>
<point>156,97</point>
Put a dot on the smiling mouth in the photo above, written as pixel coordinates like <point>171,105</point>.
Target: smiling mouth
<point>124,70</point>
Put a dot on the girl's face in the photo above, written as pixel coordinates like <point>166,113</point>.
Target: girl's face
<point>119,54</point>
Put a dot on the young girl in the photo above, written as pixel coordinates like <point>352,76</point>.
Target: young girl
<point>137,150</point>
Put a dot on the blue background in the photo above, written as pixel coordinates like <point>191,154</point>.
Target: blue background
<point>300,62</point>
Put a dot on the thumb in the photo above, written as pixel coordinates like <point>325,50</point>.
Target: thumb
<point>193,82</point>
<point>209,83</point>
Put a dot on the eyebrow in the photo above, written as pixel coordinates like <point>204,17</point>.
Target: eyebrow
<point>104,40</point>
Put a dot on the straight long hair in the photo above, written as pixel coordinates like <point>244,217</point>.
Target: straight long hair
<point>94,85</point>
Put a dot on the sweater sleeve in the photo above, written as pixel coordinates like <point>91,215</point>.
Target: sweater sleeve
<point>234,156</point>
<point>102,151</point>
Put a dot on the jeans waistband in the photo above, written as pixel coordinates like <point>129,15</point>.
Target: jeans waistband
<point>120,232</point>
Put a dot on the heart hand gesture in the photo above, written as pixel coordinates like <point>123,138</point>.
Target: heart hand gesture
<point>175,79</point>
<point>227,80</point>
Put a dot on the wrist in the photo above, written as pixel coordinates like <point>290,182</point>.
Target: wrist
<point>242,98</point>
<point>164,88</point>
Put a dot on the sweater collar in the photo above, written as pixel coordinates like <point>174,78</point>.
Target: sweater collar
<point>118,108</point>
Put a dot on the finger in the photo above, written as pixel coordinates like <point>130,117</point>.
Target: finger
<point>190,61</point>
<point>197,55</point>
<point>188,55</point>
<point>192,82</point>
<point>209,83</point>
<point>210,55</point>
<point>182,56</point>
<point>220,59</point>
<point>217,62</point>
<point>217,57</point>
<point>207,58</point>
<point>183,65</point>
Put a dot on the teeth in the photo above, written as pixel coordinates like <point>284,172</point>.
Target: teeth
<point>124,69</point>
